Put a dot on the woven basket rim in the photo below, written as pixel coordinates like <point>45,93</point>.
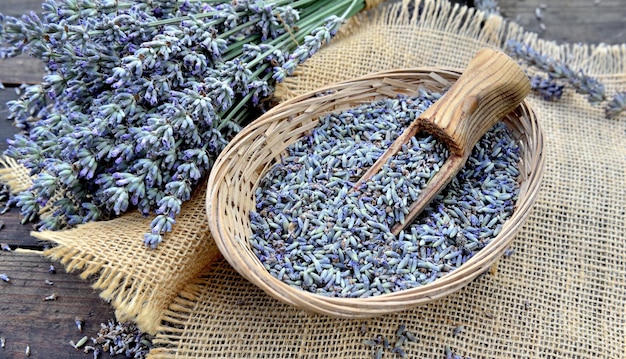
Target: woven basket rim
<point>309,104</point>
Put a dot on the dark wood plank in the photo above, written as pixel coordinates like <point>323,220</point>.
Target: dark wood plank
<point>16,234</point>
<point>13,233</point>
<point>571,21</point>
<point>19,7</point>
<point>46,326</point>
<point>26,319</point>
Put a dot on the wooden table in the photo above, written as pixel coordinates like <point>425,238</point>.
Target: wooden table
<point>48,326</point>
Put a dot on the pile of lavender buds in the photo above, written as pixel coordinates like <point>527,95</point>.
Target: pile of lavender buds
<point>313,232</point>
<point>141,96</point>
<point>116,338</point>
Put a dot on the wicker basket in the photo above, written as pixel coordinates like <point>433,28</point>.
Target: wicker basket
<point>237,172</point>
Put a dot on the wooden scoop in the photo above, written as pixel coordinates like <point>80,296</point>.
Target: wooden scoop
<point>491,86</point>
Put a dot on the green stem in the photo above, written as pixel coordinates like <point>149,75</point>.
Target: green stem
<point>235,112</point>
<point>236,49</point>
<point>305,26</point>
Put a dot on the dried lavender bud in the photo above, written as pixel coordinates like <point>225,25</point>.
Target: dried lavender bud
<point>547,88</point>
<point>555,69</point>
<point>141,97</point>
<point>52,296</point>
<point>313,232</point>
<point>616,106</point>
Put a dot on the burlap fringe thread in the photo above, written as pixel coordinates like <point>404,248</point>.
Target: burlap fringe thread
<point>14,175</point>
<point>163,290</point>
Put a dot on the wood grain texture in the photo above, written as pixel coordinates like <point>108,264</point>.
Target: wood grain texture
<point>49,326</point>
<point>571,21</point>
<point>46,326</point>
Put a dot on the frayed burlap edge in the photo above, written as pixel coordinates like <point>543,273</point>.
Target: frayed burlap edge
<point>139,282</point>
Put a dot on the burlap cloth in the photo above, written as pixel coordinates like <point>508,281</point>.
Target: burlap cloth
<point>560,295</point>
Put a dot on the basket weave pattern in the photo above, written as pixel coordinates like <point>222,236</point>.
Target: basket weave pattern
<point>238,170</point>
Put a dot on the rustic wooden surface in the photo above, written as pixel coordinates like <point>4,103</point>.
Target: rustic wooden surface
<point>48,326</point>
<point>570,21</point>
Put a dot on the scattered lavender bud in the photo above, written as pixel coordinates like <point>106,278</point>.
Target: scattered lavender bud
<point>52,270</point>
<point>451,355</point>
<point>119,338</point>
<point>410,337</point>
<point>370,343</point>
<point>458,330</point>
<point>81,342</point>
<point>52,296</point>
<point>5,247</point>
<point>5,278</point>
<point>490,7</point>
<point>363,328</point>
<point>401,330</point>
<point>547,88</point>
<point>399,351</point>
<point>49,282</point>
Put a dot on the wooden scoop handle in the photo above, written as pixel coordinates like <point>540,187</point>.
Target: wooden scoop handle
<point>491,86</point>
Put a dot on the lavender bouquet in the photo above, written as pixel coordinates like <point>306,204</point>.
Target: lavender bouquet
<point>141,96</point>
